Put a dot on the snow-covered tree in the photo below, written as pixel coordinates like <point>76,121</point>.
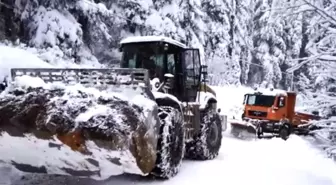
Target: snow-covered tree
<point>268,43</point>
<point>320,60</point>
<point>243,41</point>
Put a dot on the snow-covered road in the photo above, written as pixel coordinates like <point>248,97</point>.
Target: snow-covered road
<point>254,162</point>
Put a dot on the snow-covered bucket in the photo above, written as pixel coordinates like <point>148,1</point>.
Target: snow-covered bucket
<point>75,130</point>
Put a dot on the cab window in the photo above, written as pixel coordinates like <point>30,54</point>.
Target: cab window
<point>192,65</point>
<point>197,63</point>
<point>281,102</point>
<point>171,63</point>
<point>189,64</point>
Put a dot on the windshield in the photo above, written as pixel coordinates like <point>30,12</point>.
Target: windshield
<point>260,100</point>
<point>145,56</point>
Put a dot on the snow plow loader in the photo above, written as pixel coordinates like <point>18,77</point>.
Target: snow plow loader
<point>142,118</point>
<point>268,115</point>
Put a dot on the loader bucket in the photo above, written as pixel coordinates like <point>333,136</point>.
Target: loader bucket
<point>76,130</point>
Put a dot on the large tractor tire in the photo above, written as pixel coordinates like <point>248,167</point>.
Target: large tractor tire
<point>206,144</point>
<point>170,144</point>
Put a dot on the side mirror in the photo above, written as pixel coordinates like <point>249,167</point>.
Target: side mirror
<point>155,84</point>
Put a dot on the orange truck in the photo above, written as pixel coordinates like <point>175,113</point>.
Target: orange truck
<point>273,114</point>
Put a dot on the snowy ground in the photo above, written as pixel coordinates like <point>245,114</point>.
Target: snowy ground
<point>291,162</point>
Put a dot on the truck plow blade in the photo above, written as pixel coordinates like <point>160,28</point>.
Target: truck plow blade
<point>243,129</point>
<point>75,130</point>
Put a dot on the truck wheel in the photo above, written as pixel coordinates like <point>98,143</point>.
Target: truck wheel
<point>260,132</point>
<point>207,143</point>
<point>170,147</point>
<point>284,132</point>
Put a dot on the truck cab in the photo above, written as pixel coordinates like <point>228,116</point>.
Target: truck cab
<point>272,113</point>
<point>271,107</point>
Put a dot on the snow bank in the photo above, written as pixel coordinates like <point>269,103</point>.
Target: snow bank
<point>15,58</point>
<point>55,56</point>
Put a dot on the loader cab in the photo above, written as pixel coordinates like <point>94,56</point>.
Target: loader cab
<point>161,56</point>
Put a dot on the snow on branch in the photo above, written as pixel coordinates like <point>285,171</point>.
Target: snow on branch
<point>323,12</point>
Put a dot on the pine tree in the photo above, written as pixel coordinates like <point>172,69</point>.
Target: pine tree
<point>268,43</point>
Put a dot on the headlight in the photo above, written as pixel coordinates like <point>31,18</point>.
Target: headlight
<point>155,84</point>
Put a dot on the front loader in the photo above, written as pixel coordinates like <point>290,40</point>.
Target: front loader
<point>272,114</point>
<point>142,118</point>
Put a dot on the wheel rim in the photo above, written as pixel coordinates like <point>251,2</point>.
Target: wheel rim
<point>213,135</point>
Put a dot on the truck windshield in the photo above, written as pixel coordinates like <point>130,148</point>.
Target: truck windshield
<point>145,56</point>
<point>260,100</point>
